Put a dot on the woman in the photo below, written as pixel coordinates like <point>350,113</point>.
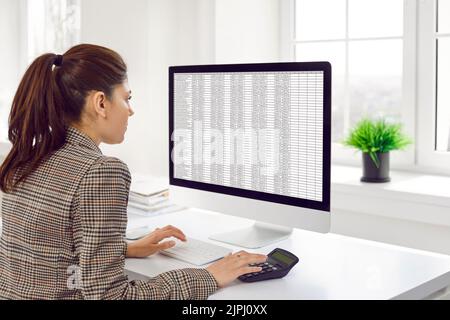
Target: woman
<point>64,207</point>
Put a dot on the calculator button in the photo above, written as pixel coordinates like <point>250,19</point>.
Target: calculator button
<point>274,268</point>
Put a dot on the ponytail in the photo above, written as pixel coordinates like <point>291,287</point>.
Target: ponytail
<point>50,96</point>
<point>35,122</point>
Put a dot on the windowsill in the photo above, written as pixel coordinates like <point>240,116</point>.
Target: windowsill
<point>409,196</point>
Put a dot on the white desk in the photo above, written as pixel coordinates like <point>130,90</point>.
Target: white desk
<point>331,266</point>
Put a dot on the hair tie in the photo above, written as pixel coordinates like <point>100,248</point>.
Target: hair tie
<point>58,60</point>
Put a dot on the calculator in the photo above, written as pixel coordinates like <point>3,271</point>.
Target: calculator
<point>278,264</point>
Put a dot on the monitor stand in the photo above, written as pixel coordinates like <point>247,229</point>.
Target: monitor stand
<point>257,236</point>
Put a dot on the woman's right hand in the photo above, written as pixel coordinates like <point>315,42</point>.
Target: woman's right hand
<point>234,265</point>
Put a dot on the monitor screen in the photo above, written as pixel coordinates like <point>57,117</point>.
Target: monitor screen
<point>260,131</point>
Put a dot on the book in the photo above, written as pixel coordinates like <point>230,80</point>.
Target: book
<point>151,207</point>
<point>148,186</point>
<point>167,208</point>
<point>146,201</point>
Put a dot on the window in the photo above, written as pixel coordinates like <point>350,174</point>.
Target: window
<point>390,58</point>
<point>372,46</point>
<point>366,55</point>
<point>52,26</point>
<point>9,59</point>
<point>29,28</point>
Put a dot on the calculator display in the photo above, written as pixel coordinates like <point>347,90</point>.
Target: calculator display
<point>283,258</point>
<point>279,263</point>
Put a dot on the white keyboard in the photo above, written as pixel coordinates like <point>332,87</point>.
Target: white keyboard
<point>195,251</point>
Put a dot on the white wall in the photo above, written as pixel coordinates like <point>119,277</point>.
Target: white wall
<point>247,31</point>
<point>180,33</point>
<point>125,29</point>
<point>196,32</point>
<point>151,35</point>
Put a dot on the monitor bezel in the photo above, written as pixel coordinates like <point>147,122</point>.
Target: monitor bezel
<point>324,66</point>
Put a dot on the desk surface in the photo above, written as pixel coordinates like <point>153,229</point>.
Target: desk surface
<point>331,266</point>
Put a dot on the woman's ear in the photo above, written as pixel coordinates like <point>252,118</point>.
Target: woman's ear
<point>99,100</point>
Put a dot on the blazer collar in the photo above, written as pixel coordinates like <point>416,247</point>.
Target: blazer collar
<point>75,136</point>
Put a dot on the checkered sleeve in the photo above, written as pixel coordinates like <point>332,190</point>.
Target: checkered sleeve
<point>102,204</point>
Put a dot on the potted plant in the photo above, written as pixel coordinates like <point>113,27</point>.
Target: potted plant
<point>375,138</point>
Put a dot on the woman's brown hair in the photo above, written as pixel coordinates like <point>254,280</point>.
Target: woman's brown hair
<point>50,96</point>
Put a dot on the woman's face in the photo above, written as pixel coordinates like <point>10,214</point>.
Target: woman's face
<point>117,109</point>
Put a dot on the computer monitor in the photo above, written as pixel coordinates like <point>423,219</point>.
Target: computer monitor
<point>253,140</point>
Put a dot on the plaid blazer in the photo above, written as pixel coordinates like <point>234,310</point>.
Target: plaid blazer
<point>64,233</point>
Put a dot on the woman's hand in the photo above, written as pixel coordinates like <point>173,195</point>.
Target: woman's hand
<point>151,243</point>
<point>234,265</point>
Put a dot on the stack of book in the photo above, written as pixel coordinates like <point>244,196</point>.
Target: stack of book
<point>149,196</point>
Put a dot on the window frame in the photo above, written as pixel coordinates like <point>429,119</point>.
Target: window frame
<point>343,155</point>
<point>427,157</point>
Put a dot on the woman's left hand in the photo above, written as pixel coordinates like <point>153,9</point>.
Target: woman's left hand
<point>151,243</point>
